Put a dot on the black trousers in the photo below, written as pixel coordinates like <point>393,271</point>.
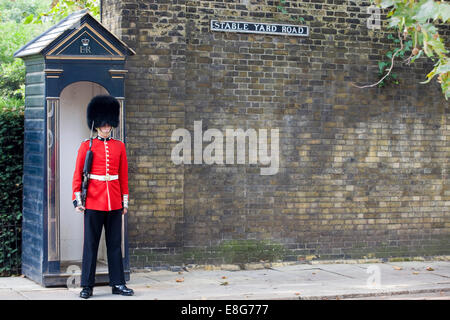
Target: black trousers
<point>94,221</point>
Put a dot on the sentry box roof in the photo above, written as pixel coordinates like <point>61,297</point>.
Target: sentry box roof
<point>60,41</point>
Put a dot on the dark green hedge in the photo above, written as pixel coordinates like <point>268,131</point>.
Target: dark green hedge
<point>11,169</point>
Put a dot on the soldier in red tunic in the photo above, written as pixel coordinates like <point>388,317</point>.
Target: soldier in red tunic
<point>107,195</point>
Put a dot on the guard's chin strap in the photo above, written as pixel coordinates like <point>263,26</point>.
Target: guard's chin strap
<point>92,128</point>
<point>90,138</point>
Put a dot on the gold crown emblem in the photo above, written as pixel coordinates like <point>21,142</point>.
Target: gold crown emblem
<point>85,42</point>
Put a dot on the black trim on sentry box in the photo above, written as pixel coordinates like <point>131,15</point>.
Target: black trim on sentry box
<point>262,28</point>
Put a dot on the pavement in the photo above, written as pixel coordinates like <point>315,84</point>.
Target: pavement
<point>282,281</point>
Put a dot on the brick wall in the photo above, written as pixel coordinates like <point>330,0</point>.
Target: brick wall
<point>363,172</point>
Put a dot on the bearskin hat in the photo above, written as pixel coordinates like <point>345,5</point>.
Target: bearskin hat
<point>102,110</point>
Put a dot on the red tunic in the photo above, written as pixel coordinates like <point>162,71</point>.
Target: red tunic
<point>109,158</point>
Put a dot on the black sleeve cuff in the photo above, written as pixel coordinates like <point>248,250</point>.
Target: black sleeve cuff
<point>75,203</point>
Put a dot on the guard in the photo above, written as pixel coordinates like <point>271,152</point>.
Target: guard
<point>106,198</point>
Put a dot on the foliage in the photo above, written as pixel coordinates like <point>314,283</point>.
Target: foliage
<point>386,65</point>
<point>8,102</point>
<point>11,154</point>
<point>14,35</point>
<point>241,251</point>
<point>236,252</point>
<point>18,9</point>
<point>12,80</point>
<point>417,21</point>
<point>12,71</point>
<point>60,9</point>
<point>281,7</point>
<point>11,168</point>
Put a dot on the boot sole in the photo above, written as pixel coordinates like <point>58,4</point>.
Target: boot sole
<point>123,294</point>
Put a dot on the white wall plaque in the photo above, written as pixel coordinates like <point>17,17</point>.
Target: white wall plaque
<point>264,28</point>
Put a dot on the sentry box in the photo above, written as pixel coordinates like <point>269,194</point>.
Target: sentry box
<point>66,66</point>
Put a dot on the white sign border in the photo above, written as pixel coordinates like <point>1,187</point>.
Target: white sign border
<point>261,32</point>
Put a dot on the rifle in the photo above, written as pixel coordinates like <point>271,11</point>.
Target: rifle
<point>86,170</point>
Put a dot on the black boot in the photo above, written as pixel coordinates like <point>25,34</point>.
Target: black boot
<point>86,292</point>
<point>122,289</point>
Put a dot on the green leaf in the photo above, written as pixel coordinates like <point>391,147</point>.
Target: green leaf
<point>438,46</point>
<point>28,19</point>
<point>428,10</point>
<point>408,45</point>
<point>443,68</point>
<point>444,12</point>
<point>387,3</point>
<point>430,76</point>
<point>394,22</point>
<point>382,65</point>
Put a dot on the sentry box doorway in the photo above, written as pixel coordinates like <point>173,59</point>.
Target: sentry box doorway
<point>66,66</point>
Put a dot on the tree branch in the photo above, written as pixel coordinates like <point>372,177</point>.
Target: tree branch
<point>390,69</point>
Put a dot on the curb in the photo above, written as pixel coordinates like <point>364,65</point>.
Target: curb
<point>375,294</point>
